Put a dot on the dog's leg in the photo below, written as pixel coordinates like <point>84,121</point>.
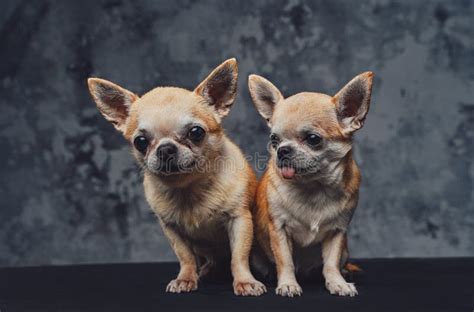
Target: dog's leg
<point>241,237</point>
<point>206,267</point>
<point>333,247</point>
<point>187,279</point>
<point>283,255</point>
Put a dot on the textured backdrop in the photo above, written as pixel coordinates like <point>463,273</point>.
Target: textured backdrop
<point>70,192</point>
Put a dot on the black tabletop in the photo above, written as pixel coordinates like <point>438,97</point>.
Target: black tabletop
<point>384,285</point>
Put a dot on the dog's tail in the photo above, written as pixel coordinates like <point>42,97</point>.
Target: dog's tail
<point>352,268</point>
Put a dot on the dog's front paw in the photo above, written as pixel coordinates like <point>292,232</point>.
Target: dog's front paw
<point>249,288</point>
<point>289,290</point>
<point>181,285</point>
<point>341,288</point>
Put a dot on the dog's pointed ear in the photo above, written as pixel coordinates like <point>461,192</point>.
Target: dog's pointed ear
<point>112,101</point>
<point>265,96</point>
<point>353,101</point>
<point>220,87</point>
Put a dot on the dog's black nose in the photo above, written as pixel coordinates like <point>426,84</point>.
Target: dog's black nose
<point>167,151</point>
<point>284,152</point>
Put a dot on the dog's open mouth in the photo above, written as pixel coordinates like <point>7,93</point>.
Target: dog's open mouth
<point>288,172</point>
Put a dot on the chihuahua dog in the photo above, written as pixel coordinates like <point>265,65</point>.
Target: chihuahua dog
<point>307,195</point>
<point>196,180</point>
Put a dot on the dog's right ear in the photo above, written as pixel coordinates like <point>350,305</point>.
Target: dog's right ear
<point>353,101</point>
<point>265,96</point>
<point>112,101</point>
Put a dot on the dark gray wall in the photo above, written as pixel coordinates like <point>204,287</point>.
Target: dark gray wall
<point>70,193</point>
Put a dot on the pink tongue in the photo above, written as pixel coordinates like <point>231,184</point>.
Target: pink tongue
<point>288,172</point>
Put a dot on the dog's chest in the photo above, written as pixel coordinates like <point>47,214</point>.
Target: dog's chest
<point>308,216</point>
<point>197,217</point>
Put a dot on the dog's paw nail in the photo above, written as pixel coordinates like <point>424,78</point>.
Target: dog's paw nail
<point>249,288</point>
<point>289,290</point>
<point>181,285</point>
<point>341,288</point>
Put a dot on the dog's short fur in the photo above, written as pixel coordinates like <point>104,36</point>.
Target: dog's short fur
<point>306,198</point>
<point>196,180</point>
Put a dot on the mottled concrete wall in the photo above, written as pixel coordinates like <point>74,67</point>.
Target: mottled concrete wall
<point>70,192</point>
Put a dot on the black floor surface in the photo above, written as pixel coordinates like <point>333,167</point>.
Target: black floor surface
<point>384,285</point>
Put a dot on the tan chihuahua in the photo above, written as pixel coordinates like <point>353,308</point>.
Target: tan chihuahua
<point>196,180</point>
<point>306,198</point>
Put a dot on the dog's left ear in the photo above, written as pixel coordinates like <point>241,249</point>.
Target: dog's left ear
<point>353,101</point>
<point>220,87</point>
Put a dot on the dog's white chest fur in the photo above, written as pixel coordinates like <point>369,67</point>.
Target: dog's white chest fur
<point>308,215</point>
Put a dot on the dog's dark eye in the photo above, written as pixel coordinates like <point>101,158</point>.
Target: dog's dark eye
<point>196,134</point>
<point>313,139</point>
<point>141,143</point>
<point>274,140</point>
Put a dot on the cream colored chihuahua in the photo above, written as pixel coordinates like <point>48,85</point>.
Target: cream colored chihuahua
<point>306,198</point>
<point>196,180</point>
